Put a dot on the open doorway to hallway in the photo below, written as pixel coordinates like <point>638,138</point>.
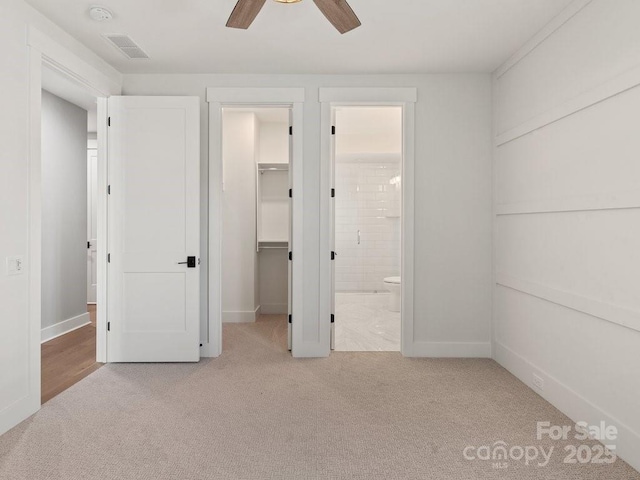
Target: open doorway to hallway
<point>69,152</point>
<point>367,227</point>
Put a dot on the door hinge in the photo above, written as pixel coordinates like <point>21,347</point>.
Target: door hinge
<point>108,258</point>
<point>290,130</point>
<point>109,122</point>
<point>291,193</point>
<point>333,318</point>
<point>108,189</point>
<point>333,255</point>
<point>290,256</point>
<point>333,130</point>
<point>108,326</point>
<point>88,244</point>
<point>333,193</point>
<point>290,318</point>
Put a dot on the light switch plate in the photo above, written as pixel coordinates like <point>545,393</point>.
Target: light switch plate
<point>15,265</point>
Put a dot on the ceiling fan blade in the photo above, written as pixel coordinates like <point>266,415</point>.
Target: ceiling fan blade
<point>245,13</point>
<point>339,13</point>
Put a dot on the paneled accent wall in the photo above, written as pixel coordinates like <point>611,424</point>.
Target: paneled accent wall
<point>368,200</point>
<point>567,215</point>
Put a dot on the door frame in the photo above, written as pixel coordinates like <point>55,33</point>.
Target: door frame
<point>44,52</point>
<point>218,98</point>
<point>355,97</point>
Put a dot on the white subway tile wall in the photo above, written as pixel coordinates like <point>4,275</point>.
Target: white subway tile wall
<point>368,201</point>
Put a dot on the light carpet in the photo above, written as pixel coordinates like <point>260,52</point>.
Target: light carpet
<point>257,413</point>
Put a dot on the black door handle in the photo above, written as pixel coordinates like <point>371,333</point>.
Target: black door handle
<point>190,263</point>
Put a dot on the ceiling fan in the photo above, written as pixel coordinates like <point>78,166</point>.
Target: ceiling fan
<point>338,12</point>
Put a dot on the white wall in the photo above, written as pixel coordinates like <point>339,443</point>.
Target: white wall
<point>273,206</point>
<point>64,215</point>
<point>567,225</point>
<point>274,277</point>
<point>368,129</point>
<point>239,257</point>
<point>19,391</point>
<point>274,142</point>
<point>453,194</point>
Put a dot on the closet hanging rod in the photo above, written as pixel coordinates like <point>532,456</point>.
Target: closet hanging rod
<point>273,167</point>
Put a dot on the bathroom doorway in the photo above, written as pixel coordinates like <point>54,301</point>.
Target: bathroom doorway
<point>367,227</point>
<point>256,218</point>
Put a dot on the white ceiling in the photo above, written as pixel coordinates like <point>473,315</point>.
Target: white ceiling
<point>397,36</point>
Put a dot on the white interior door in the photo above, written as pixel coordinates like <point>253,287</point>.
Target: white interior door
<point>154,227</point>
<point>92,225</point>
<point>290,263</point>
<point>332,223</point>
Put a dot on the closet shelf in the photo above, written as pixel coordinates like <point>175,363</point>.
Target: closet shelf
<point>273,244</point>
<point>273,167</point>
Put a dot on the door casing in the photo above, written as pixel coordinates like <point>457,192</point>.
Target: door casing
<point>44,51</point>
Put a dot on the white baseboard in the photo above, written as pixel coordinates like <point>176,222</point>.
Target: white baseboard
<point>570,402</point>
<point>451,349</point>
<point>241,317</point>
<point>22,408</point>
<point>66,326</point>
<point>274,309</point>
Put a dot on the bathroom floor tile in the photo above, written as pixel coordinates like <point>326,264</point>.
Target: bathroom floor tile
<point>365,324</point>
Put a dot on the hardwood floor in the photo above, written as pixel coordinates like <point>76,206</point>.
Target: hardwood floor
<point>68,359</point>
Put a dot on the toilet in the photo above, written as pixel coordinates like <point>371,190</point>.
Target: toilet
<point>393,285</point>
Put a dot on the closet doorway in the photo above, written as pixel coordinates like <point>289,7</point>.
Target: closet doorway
<point>256,218</point>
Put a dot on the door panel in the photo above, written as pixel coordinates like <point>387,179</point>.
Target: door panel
<point>154,225</point>
<point>332,233</point>
<point>92,226</point>
<point>290,237</point>
<point>162,307</point>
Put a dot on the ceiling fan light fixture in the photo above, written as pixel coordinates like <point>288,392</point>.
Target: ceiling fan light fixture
<point>338,12</point>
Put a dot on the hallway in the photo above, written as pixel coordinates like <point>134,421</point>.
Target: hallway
<point>69,358</point>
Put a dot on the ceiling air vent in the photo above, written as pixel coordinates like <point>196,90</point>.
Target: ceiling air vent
<point>126,46</point>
